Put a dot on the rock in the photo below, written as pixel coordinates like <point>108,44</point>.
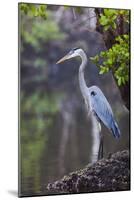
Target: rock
<point>112,174</point>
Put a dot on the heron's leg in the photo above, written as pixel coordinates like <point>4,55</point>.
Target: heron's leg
<point>100,152</point>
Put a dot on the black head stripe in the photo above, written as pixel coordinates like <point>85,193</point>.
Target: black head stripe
<point>75,48</point>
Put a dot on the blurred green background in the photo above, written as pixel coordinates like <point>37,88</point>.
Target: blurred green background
<point>55,134</point>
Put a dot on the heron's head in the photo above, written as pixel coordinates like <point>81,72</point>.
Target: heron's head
<point>72,53</point>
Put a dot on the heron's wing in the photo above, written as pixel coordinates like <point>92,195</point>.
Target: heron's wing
<point>102,109</point>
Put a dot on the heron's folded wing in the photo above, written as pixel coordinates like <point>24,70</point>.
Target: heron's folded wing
<point>102,109</point>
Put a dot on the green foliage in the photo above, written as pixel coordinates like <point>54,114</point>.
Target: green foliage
<point>109,18</point>
<point>116,59</point>
<point>39,32</point>
<point>34,10</point>
<point>38,103</point>
<point>37,35</point>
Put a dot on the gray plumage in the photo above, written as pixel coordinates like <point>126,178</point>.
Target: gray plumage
<point>102,109</point>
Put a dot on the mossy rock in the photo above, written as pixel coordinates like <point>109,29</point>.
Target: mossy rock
<point>111,174</point>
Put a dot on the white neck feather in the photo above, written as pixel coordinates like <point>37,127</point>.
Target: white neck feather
<point>82,83</point>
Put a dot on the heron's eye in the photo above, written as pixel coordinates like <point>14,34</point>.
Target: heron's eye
<point>93,93</point>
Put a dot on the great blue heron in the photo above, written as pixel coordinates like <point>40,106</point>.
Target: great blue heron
<point>95,101</point>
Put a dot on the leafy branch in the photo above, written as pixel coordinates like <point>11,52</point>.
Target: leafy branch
<point>116,59</point>
<point>109,18</point>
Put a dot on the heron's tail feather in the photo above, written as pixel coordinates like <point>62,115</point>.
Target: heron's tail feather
<point>115,130</point>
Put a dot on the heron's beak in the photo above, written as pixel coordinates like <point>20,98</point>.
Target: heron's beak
<point>63,59</point>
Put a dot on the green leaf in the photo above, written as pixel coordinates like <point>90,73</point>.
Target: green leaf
<point>114,25</point>
<point>106,27</point>
<point>101,72</point>
<point>43,8</point>
<point>110,12</point>
<point>103,69</point>
<point>119,81</point>
<point>95,58</point>
<point>103,53</point>
<point>33,10</point>
<point>103,20</point>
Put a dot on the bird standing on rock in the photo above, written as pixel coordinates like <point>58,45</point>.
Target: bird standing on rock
<point>95,101</point>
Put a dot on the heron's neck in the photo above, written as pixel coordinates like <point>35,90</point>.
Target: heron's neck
<point>82,83</point>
